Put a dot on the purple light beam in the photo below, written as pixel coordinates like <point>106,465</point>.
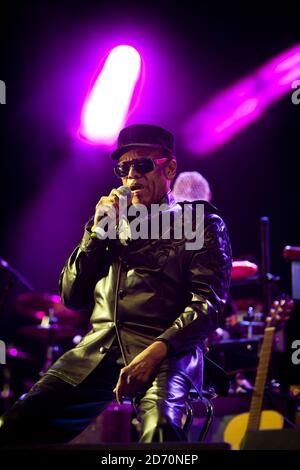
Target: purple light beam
<point>105,109</point>
<point>242,103</point>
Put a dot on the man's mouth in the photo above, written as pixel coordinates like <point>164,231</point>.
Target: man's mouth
<point>136,187</point>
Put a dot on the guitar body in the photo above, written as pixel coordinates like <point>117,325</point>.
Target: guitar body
<point>257,419</point>
<point>237,427</point>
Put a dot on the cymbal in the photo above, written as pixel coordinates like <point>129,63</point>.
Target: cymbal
<point>292,253</point>
<point>37,304</point>
<point>252,323</point>
<point>46,332</point>
<point>15,353</point>
<point>245,302</point>
<point>244,370</point>
<point>243,269</point>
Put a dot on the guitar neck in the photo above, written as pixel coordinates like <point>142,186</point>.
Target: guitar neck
<point>260,381</point>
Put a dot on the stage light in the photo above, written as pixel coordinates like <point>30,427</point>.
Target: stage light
<point>242,103</point>
<point>105,110</point>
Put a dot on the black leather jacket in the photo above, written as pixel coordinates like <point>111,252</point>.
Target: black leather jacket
<point>147,290</point>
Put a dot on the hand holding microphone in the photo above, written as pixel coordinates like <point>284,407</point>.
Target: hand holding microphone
<point>108,209</point>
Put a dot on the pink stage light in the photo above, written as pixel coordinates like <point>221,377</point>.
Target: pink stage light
<point>242,103</point>
<point>13,352</point>
<point>106,107</point>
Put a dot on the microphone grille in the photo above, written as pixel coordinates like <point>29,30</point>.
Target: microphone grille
<point>125,191</point>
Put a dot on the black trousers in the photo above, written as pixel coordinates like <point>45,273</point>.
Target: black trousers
<point>54,411</point>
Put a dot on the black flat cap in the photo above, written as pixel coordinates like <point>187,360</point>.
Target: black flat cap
<point>143,135</point>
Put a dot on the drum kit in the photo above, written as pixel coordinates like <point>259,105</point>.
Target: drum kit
<point>52,322</point>
<point>245,318</point>
<point>48,323</point>
<point>237,344</point>
<point>45,327</point>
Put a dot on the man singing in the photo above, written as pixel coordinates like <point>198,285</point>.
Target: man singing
<point>155,300</point>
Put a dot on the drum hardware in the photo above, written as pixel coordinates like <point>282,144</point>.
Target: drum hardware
<point>13,353</point>
<point>292,253</point>
<point>242,385</point>
<point>15,275</point>
<point>267,279</point>
<point>253,319</point>
<point>37,306</point>
<point>218,336</point>
<point>51,332</point>
<point>53,322</point>
<point>7,393</point>
<point>243,269</point>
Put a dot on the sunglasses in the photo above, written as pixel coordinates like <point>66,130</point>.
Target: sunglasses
<point>141,165</point>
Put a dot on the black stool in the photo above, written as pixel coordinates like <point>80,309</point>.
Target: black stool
<point>215,383</point>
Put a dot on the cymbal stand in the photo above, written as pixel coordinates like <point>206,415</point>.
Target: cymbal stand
<point>6,393</point>
<point>14,277</point>
<point>53,350</point>
<point>266,277</point>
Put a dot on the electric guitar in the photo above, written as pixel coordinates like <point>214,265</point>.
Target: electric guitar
<point>256,418</point>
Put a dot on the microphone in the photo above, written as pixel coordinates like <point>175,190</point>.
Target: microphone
<point>126,192</point>
<point>121,228</point>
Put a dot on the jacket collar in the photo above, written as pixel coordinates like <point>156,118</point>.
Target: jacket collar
<point>168,199</point>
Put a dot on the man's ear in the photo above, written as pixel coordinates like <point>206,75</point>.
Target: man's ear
<point>170,169</point>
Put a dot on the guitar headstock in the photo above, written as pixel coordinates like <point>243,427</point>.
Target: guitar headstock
<point>279,311</point>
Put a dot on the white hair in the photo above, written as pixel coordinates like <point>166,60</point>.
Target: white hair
<point>190,186</point>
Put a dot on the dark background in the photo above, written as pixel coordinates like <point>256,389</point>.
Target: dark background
<point>50,181</point>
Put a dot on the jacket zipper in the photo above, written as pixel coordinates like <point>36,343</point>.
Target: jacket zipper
<point>115,312</point>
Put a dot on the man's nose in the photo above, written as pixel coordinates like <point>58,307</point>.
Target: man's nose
<point>133,173</point>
